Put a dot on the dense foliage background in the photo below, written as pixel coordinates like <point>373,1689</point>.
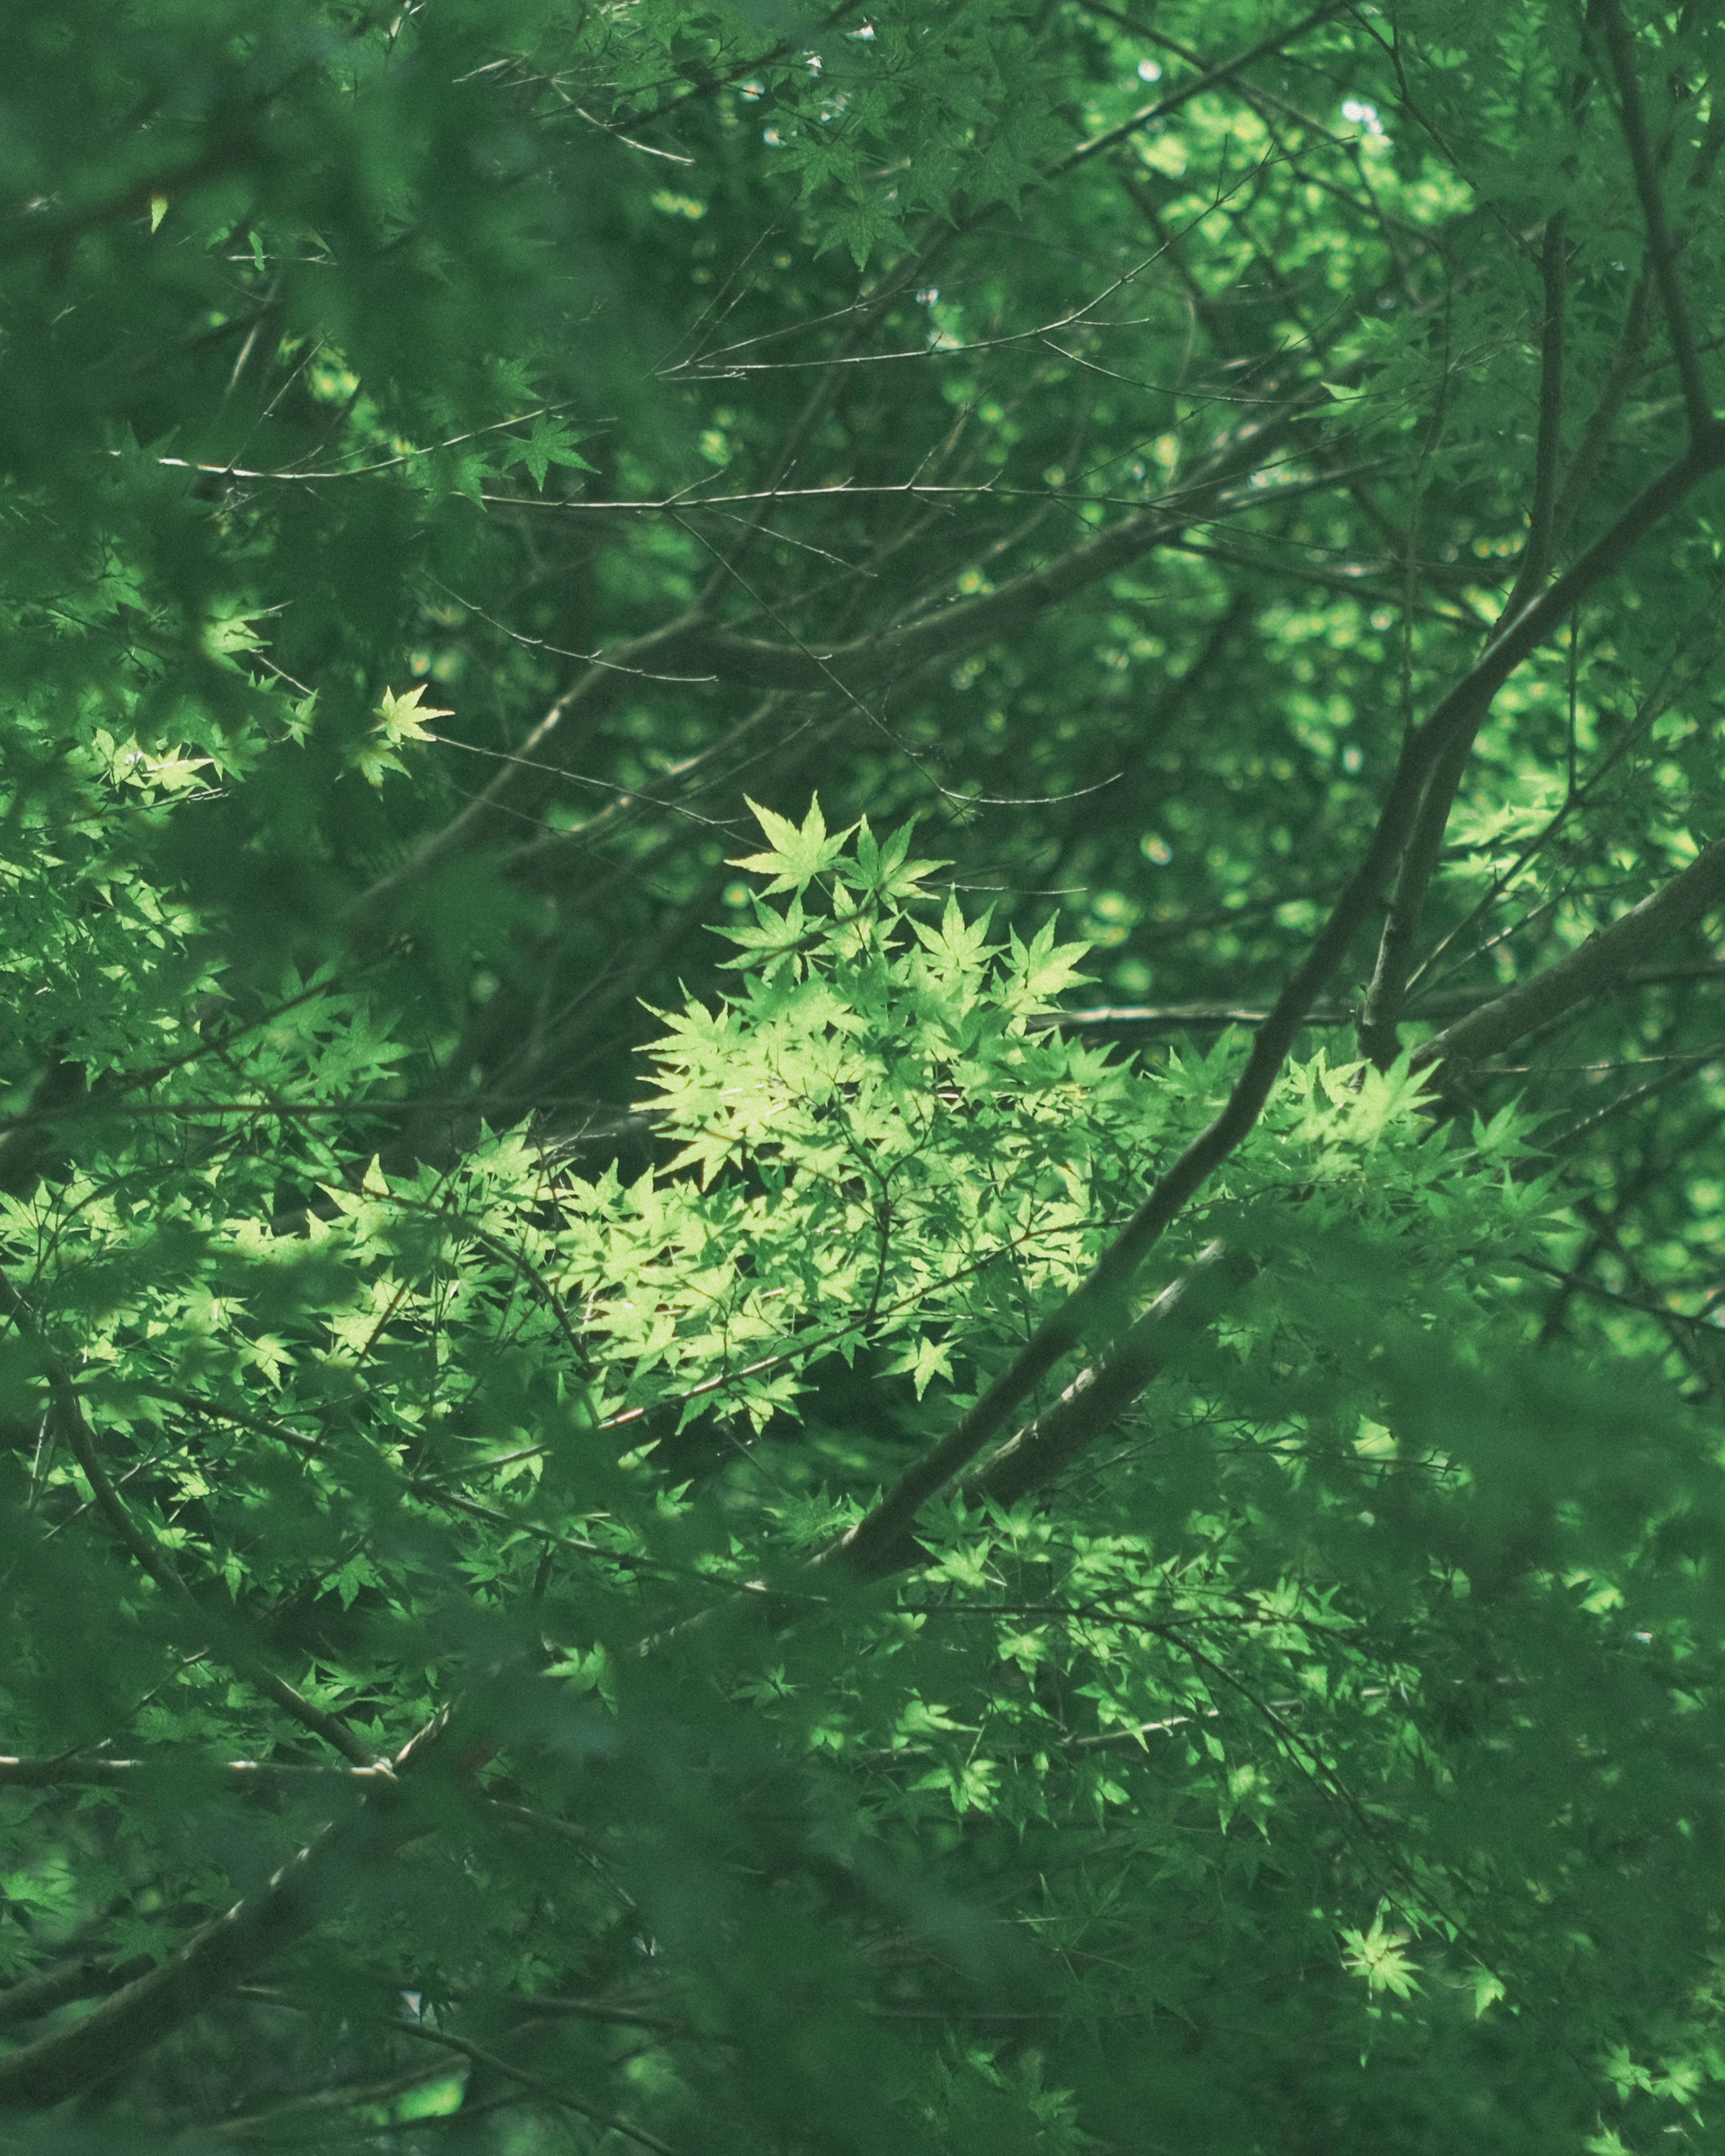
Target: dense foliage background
<point>861,1158</point>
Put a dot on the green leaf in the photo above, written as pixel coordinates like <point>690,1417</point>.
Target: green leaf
<point>797,854</point>
<point>552,442</point>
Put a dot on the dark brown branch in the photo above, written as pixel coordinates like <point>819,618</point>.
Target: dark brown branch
<point>141,2013</point>
<point>1696,401</point>
<point>1094,1307</point>
<point>46,228</point>
<point>1379,1027</point>
<point>1598,963</point>
<point>1098,1396</point>
<point>1095,1397</point>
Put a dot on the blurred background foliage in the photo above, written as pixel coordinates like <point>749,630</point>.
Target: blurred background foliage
<point>471,472</point>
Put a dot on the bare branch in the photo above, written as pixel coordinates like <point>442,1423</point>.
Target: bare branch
<point>1265,49</point>
<point>692,645</point>
<point>17,1772</point>
<point>1170,1018</point>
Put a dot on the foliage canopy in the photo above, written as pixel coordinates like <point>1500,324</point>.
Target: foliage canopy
<point>860,1186</point>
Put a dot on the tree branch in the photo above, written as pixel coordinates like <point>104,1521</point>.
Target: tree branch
<point>1093,1305</point>
<point>884,1544</point>
<point>539,2086</point>
<point>141,2014</point>
<point>1159,1018</point>
<point>1379,1027</point>
<point>1600,962</point>
<point>692,648</point>
<point>1696,401</point>
<point>17,1772</point>
<point>1265,49</point>
<point>1596,432</point>
<point>67,1415</point>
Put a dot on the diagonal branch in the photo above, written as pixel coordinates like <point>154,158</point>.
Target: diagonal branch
<point>1101,1393</point>
<point>149,2008</point>
<point>537,2086</point>
<point>1096,1398</point>
<point>1265,49</point>
<point>1094,1307</point>
<point>141,2014</point>
<point>1595,966</point>
<point>68,1416</point>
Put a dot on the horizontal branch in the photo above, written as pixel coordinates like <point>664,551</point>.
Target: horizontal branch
<point>17,1772</point>
<point>950,631</point>
<point>1159,1018</point>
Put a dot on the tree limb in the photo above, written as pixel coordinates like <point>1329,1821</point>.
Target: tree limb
<point>1093,1305</point>
<point>1379,1027</point>
<point>1265,49</point>
<point>1600,962</point>
<point>68,1416</point>
<point>1696,401</point>
<point>693,648</point>
<point>883,1543</point>
<point>141,2014</point>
